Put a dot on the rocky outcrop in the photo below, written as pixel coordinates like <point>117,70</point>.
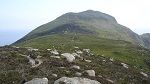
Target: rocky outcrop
<point>38,81</point>
<point>68,56</point>
<point>75,80</point>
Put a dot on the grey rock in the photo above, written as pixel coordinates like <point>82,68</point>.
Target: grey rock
<point>76,80</point>
<point>75,67</point>
<point>90,72</point>
<point>38,81</point>
<point>78,74</point>
<point>69,57</point>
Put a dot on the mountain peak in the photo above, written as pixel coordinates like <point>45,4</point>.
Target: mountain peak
<point>89,15</point>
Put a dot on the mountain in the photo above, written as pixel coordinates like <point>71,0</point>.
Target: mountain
<point>90,47</point>
<point>94,30</point>
<point>146,39</point>
<point>86,23</point>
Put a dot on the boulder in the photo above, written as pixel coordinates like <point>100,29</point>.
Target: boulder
<point>75,80</point>
<point>69,57</point>
<point>38,81</point>
<point>90,72</point>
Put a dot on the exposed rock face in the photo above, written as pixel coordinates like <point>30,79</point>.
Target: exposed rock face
<point>90,72</point>
<point>69,57</point>
<point>38,81</point>
<point>75,80</point>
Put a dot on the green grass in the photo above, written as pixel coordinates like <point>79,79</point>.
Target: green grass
<point>117,49</point>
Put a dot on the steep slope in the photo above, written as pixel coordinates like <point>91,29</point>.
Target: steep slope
<point>88,22</point>
<point>146,39</point>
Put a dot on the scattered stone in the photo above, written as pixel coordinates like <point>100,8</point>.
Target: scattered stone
<point>103,55</point>
<point>111,81</point>
<point>57,57</point>
<point>104,60</point>
<point>75,55</point>
<point>39,56</point>
<point>124,65</point>
<point>78,74</point>
<point>38,81</point>
<point>86,50</point>
<point>75,67</point>
<point>88,61</point>
<point>49,49</point>
<point>111,59</point>
<point>69,57</point>
<point>144,74</point>
<point>55,52</point>
<point>90,72</point>
<point>32,49</point>
<point>75,80</point>
<point>100,76</point>
<point>62,67</point>
<point>76,47</point>
<point>79,52</point>
<point>55,75</point>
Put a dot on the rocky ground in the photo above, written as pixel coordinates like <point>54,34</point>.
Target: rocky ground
<point>78,66</point>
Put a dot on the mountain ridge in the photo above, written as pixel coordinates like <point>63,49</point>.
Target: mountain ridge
<point>103,25</point>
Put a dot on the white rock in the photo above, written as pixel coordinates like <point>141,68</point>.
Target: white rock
<point>111,59</point>
<point>88,61</point>
<point>32,49</point>
<point>49,49</point>
<point>79,52</point>
<point>86,50</point>
<point>38,81</point>
<point>104,60</point>
<point>39,56</point>
<point>144,74</point>
<point>111,81</point>
<point>75,55</point>
<point>55,75</point>
<point>76,47</point>
<point>78,74</point>
<point>90,72</point>
<point>75,67</point>
<point>76,80</point>
<point>69,57</point>
<point>57,57</point>
<point>124,65</point>
<point>55,52</point>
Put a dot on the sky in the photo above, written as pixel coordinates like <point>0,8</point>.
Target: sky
<point>19,17</point>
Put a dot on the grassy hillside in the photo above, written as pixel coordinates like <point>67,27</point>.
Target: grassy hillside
<point>92,22</point>
<point>120,50</point>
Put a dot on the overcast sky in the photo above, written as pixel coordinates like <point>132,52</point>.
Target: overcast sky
<point>18,17</point>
